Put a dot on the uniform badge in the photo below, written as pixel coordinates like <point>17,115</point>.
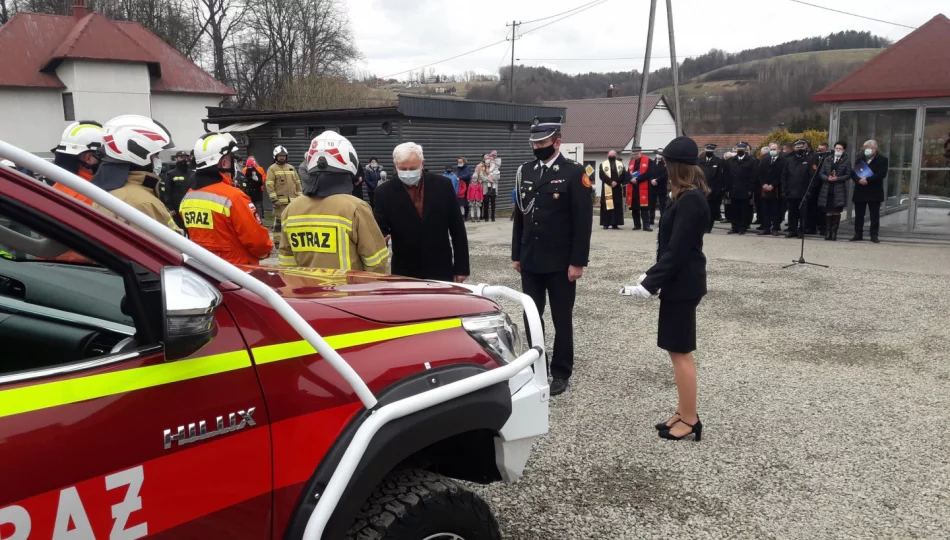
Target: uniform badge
<point>535,166</point>
<point>557,181</point>
<point>586,180</point>
<point>556,168</point>
<point>557,196</point>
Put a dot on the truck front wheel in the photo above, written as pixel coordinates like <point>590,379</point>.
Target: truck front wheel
<point>412,504</point>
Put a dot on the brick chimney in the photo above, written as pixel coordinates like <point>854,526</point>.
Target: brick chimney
<point>79,9</point>
<point>611,91</point>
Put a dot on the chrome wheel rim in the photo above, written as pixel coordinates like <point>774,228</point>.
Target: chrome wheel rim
<point>444,536</point>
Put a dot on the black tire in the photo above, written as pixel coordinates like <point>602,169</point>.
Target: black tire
<point>412,504</point>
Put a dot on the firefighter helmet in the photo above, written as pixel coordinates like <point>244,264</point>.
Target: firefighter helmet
<point>134,139</point>
<point>79,137</point>
<point>279,150</point>
<point>211,147</point>
<point>332,152</point>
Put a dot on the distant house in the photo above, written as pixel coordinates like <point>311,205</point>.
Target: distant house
<point>605,124</point>
<point>58,69</point>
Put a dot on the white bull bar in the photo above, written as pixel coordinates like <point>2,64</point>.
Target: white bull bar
<point>328,500</point>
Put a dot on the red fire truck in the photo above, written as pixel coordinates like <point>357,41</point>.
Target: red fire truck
<point>148,388</point>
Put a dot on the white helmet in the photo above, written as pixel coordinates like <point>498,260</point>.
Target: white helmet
<point>81,137</point>
<point>332,152</point>
<point>211,147</point>
<point>132,138</point>
<point>279,150</point>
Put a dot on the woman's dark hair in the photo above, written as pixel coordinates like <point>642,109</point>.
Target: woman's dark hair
<point>372,159</point>
<point>843,144</point>
<point>684,177</point>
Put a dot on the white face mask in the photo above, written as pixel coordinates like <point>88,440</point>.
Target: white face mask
<point>156,165</point>
<point>868,152</point>
<point>839,153</point>
<point>410,178</point>
<point>461,164</point>
<point>773,153</point>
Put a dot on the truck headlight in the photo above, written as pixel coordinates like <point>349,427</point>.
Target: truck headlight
<point>497,334</point>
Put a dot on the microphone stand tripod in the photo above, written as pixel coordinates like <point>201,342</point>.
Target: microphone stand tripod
<point>803,212</point>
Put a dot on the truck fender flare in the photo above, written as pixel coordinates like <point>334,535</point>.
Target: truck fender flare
<point>488,408</point>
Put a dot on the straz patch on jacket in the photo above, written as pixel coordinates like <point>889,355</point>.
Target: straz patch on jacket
<point>314,239</point>
<point>586,180</point>
<point>198,218</point>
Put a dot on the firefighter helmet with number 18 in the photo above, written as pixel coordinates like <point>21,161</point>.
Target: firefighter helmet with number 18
<point>134,139</point>
<point>211,147</point>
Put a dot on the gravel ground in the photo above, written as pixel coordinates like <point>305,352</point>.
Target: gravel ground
<point>824,394</point>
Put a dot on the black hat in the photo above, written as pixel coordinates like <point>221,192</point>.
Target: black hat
<point>544,127</point>
<point>636,149</point>
<point>682,150</point>
<point>741,144</point>
<point>181,153</point>
<point>711,147</point>
<point>800,142</point>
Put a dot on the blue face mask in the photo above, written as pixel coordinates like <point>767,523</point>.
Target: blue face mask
<point>410,178</point>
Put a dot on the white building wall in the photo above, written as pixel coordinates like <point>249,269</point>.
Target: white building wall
<point>103,90</point>
<point>182,114</point>
<point>31,118</point>
<point>658,129</point>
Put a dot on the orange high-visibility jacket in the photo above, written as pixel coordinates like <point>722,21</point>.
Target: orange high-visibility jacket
<point>85,175</point>
<point>221,219</point>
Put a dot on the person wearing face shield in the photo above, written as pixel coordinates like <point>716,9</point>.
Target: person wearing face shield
<point>327,227</point>
<point>131,166</point>
<point>550,241</point>
<point>420,214</point>
<point>219,216</point>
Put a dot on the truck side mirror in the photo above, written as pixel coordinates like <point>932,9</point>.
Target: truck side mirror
<point>189,303</point>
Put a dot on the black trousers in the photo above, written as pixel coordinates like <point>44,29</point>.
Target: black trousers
<point>860,210</point>
<point>489,204</point>
<point>741,214</point>
<point>372,196</point>
<point>771,214</point>
<point>715,205</point>
<point>259,208</point>
<point>657,198</point>
<point>759,209</point>
<point>794,215</point>
<point>635,210</point>
<point>562,293</point>
<point>814,217</point>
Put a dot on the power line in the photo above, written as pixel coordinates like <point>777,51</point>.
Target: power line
<point>446,59</point>
<point>580,10</point>
<point>562,13</point>
<point>504,55</point>
<point>592,59</point>
<point>852,14</point>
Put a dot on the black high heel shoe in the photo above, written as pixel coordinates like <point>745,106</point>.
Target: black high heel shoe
<point>662,426</point>
<point>697,431</point>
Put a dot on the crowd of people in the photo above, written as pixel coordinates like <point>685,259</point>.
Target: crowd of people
<point>794,184</point>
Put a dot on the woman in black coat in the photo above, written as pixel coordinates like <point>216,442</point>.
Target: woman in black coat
<point>834,173</point>
<point>679,276</point>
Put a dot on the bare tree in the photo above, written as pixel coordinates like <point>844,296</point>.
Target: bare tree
<point>219,18</point>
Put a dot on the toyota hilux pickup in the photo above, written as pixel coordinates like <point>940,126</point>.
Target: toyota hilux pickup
<point>149,388</point>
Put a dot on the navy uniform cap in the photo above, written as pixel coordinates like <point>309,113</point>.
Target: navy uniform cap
<point>800,142</point>
<point>544,127</point>
<point>742,145</point>
<point>711,147</point>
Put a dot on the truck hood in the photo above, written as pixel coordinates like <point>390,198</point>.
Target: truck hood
<point>382,298</point>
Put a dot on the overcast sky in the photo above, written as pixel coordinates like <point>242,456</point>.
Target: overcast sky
<point>398,35</point>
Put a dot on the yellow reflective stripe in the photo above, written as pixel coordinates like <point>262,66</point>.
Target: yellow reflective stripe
<point>205,205</point>
<point>319,217</point>
<point>295,349</point>
<point>81,127</point>
<point>287,260</point>
<point>344,249</point>
<point>376,258</point>
<point>53,394</point>
<point>287,263</point>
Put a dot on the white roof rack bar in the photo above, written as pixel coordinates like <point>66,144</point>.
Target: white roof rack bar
<point>25,159</point>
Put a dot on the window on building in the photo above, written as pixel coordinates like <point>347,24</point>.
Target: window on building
<point>69,109</point>
<point>313,131</point>
<point>286,132</point>
<point>347,131</point>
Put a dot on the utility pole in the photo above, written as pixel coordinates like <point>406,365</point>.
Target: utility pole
<point>511,75</point>
<point>641,110</point>
<point>675,68</point>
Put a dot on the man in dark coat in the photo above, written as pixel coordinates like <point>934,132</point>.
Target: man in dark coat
<point>814,222</point>
<point>742,170</point>
<point>869,192</point>
<point>714,169</point>
<point>659,186</point>
<point>769,185</point>
<point>421,214</point>
<point>797,172</point>
<point>613,182</point>
<point>550,240</point>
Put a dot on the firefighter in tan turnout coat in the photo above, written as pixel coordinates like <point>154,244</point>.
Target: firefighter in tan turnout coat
<point>283,186</point>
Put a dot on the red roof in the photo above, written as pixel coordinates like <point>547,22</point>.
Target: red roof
<point>603,124</point>
<point>914,67</point>
<point>33,44</point>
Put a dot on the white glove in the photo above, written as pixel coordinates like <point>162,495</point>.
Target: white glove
<point>635,290</point>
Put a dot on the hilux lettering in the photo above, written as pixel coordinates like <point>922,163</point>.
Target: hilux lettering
<point>199,432</point>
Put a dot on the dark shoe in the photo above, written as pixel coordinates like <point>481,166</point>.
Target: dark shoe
<point>776,232</point>
<point>615,227</point>
<point>636,227</point>
<point>646,228</point>
<point>732,231</point>
<point>558,386</point>
<point>791,234</point>
<point>663,426</point>
<point>828,221</point>
<point>835,223</point>
<point>743,231</point>
<point>605,227</point>
<point>723,220</point>
<point>696,432</point>
<point>875,240</point>
<point>493,219</point>
<point>856,238</point>
<point>760,228</point>
<point>765,232</point>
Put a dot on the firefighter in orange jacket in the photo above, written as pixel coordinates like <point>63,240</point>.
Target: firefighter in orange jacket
<point>78,153</point>
<point>219,216</point>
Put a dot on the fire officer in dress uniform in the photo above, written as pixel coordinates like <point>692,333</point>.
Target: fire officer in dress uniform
<point>550,242</point>
<point>742,170</point>
<point>714,169</point>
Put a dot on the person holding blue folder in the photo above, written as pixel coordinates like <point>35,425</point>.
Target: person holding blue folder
<point>870,170</point>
